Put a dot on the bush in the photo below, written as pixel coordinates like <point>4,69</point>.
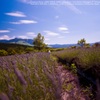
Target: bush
<point>29,49</point>
<point>11,51</point>
<point>3,53</point>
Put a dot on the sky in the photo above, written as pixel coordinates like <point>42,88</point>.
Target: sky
<point>59,21</point>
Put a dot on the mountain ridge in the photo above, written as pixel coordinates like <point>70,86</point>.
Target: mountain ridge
<point>29,42</point>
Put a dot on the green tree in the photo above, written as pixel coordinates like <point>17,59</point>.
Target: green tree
<point>82,42</point>
<point>96,45</point>
<point>38,42</point>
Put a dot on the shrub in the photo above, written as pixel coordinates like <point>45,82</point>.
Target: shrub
<point>3,53</point>
<point>29,49</point>
<point>11,51</point>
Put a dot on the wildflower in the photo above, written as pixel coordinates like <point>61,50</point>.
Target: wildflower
<point>20,76</point>
<point>3,96</point>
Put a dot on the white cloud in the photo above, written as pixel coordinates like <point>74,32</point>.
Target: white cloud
<point>31,2</point>
<point>50,33</point>
<point>23,37</point>
<point>4,31</point>
<point>63,28</point>
<point>27,21</point>
<point>31,34</point>
<point>6,37</point>
<point>28,35</point>
<point>26,1</point>
<point>47,39</point>
<point>69,4</point>
<point>16,14</point>
<point>24,22</point>
<point>73,7</point>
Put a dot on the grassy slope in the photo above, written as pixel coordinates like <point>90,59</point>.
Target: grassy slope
<point>5,46</point>
<point>27,77</point>
<point>84,58</point>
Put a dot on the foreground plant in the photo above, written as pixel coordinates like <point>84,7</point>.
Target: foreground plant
<point>29,77</point>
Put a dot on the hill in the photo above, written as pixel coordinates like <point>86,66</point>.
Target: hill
<point>29,42</point>
<point>21,41</point>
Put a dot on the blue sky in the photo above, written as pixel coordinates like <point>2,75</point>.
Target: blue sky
<point>59,21</point>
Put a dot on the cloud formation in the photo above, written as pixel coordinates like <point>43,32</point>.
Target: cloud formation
<point>24,22</point>
<point>31,34</point>
<point>50,33</point>
<point>23,37</point>
<point>25,1</point>
<point>69,4</point>
<point>63,29</point>
<point>4,31</point>
<point>6,37</point>
<point>73,8</point>
<point>16,14</point>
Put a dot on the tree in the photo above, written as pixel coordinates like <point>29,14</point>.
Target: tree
<point>96,44</point>
<point>82,42</point>
<point>38,42</point>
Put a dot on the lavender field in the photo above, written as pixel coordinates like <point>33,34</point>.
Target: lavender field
<point>86,63</point>
<point>38,76</point>
<point>28,77</point>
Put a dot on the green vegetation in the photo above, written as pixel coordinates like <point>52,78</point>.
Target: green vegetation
<point>39,42</point>
<point>28,77</point>
<point>3,53</point>
<point>82,42</point>
<point>33,73</point>
<point>86,59</point>
<point>84,62</point>
<point>12,49</point>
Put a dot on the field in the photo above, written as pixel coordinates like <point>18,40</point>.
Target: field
<point>27,76</point>
<point>85,62</point>
<point>83,58</point>
<point>38,76</point>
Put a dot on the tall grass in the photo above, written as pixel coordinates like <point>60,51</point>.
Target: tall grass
<point>29,77</point>
<point>84,58</point>
<point>86,62</point>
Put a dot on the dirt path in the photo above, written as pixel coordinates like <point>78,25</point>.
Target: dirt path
<point>70,85</point>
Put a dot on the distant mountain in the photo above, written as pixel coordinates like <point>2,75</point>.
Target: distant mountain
<point>3,41</point>
<point>62,45</point>
<point>29,42</point>
<point>18,41</point>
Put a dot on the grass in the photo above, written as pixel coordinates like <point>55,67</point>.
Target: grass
<point>28,77</point>
<point>85,61</point>
<point>84,58</point>
<point>33,76</point>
